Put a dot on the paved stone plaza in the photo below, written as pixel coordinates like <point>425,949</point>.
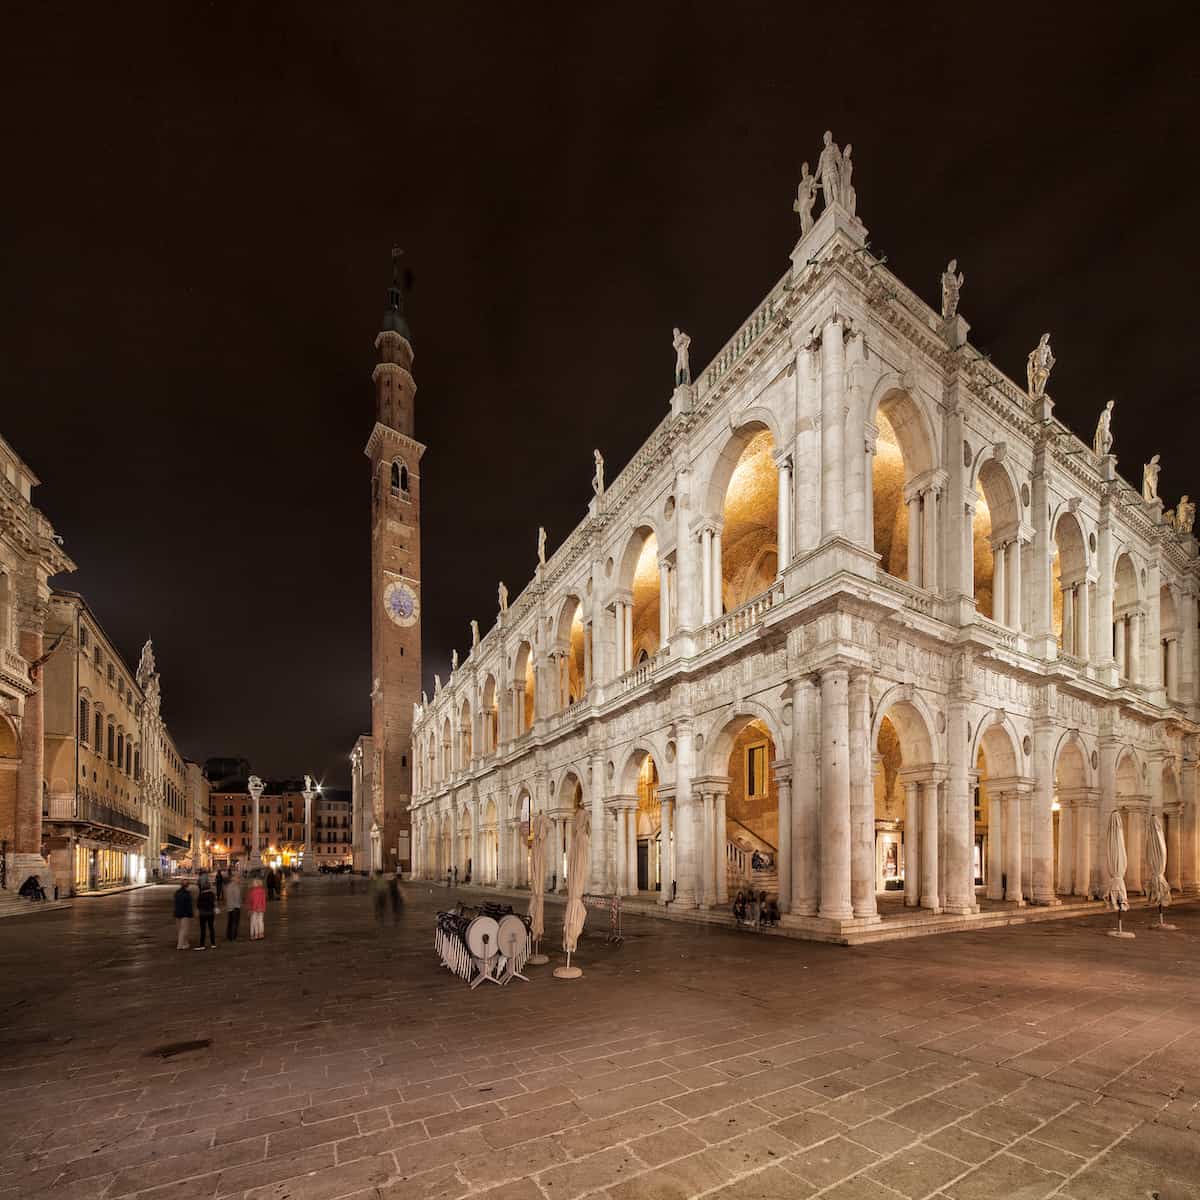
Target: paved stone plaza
<point>335,1059</point>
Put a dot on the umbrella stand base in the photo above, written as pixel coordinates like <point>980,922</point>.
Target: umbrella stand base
<point>1158,925</point>
<point>1121,933</point>
<point>538,960</point>
<point>567,972</point>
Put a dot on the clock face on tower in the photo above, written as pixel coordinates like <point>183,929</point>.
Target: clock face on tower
<point>401,604</point>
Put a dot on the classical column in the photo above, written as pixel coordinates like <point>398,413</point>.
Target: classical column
<point>833,373</point>
<point>999,572</point>
<point>1040,884</point>
<point>706,573</point>
<point>685,818</point>
<point>1012,847</point>
<point>835,794</point>
<point>631,843</point>
<point>1083,623</point>
<point>912,844</point>
<point>1171,683</point>
<point>1173,847</point>
<point>309,794</point>
<point>1015,616</point>
<point>255,787</point>
<point>1134,648</point>
<point>664,601</point>
<point>718,597</point>
<point>1119,648</point>
<point>1152,629</point>
<point>1189,841</point>
<point>708,858</point>
<point>995,846</point>
<point>587,659</point>
<point>1068,620</point>
<point>783,513</point>
<point>929,845</point>
<point>31,612</point>
<point>722,841</point>
<point>805,797</point>
<point>1083,813</point>
<point>930,543</point>
<point>1104,585</point>
<point>628,639</point>
<point>596,787</point>
<point>968,551</point>
<point>862,798</point>
<point>1066,848</point>
<point>665,805</point>
<point>1135,848</point>
<point>915,557</point>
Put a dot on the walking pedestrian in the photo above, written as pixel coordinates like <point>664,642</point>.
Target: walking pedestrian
<point>183,914</point>
<point>449,877</point>
<point>257,904</point>
<point>456,875</point>
<point>220,883</point>
<point>233,902</point>
<point>394,895</point>
<point>378,895</point>
<point>206,909</point>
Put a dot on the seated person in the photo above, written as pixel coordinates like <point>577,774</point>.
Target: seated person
<point>739,908</point>
<point>771,912</point>
<point>32,889</point>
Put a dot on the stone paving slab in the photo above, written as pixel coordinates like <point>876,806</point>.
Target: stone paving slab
<point>337,1059</point>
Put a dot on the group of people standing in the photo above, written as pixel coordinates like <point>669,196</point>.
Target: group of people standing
<point>211,895</point>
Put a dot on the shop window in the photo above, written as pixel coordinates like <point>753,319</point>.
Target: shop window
<point>756,769</point>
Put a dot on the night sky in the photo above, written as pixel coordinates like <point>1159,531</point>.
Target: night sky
<point>200,210</point>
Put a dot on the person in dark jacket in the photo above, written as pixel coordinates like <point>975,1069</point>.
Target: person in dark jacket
<point>220,882</point>
<point>233,902</point>
<point>183,915</point>
<point>206,909</point>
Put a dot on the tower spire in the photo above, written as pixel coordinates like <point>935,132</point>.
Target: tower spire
<point>393,317</point>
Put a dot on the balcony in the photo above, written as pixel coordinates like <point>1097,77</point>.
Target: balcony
<point>84,811</point>
<point>733,624</point>
<point>640,674</point>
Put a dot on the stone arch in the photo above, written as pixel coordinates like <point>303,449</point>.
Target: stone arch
<point>523,705</point>
<point>489,713</point>
<point>1130,774</point>
<point>995,532</point>
<point>447,749</point>
<point>578,774</point>
<point>917,723</point>
<point>465,734</point>
<point>1071,601</point>
<point>1169,635</point>
<point>1128,617</point>
<point>998,740</point>
<point>569,637</point>
<point>10,757</point>
<point>627,777</point>
<point>905,450</point>
<point>639,595</point>
<point>1072,763</point>
<point>728,723</point>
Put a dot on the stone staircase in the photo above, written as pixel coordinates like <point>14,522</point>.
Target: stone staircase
<point>18,868</point>
<point>740,873</point>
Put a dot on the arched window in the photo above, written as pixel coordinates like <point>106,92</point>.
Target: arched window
<point>396,477</point>
<point>404,479</point>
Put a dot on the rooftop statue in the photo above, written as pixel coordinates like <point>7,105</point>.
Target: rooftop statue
<point>1185,515</point>
<point>806,197</point>
<point>474,634</point>
<point>1150,478</point>
<point>683,369</point>
<point>952,281</point>
<point>829,171</point>
<point>849,196</point>
<point>502,593</point>
<point>1039,366</point>
<point>542,545</point>
<point>598,477</point>
<point>453,660</point>
<point>1102,442</point>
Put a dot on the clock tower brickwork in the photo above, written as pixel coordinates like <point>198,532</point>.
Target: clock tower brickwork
<point>395,585</point>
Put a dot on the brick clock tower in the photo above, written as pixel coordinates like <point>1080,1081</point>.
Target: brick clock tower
<point>395,585</point>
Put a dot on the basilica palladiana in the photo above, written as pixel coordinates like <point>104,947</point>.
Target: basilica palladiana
<point>862,625</point>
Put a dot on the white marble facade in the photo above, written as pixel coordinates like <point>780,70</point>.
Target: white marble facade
<point>957,629</point>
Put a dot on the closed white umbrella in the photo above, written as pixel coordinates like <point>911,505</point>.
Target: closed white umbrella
<point>1158,890</point>
<point>1115,895</point>
<point>538,828</point>
<point>576,912</point>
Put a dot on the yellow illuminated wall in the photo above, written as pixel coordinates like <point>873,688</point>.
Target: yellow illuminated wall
<point>749,538</point>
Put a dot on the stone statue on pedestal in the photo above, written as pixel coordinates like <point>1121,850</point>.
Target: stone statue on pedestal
<point>1185,515</point>
<point>1102,442</point>
<point>849,196</point>
<point>952,281</point>
<point>806,197</point>
<point>598,477</point>
<point>474,634</point>
<point>1150,479</point>
<point>502,593</point>
<point>437,684</point>
<point>1038,367</point>
<point>829,170</point>
<point>683,369</point>
<point>541,545</point>
<point>453,660</point>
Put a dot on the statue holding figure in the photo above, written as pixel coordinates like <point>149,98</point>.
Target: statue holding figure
<point>1102,442</point>
<point>1039,366</point>
<point>474,634</point>
<point>1150,479</point>
<point>541,545</point>
<point>683,369</point>
<point>849,196</point>
<point>502,594</point>
<point>806,197</point>
<point>1185,515</point>
<point>598,477</point>
<point>952,281</point>
<point>829,170</point>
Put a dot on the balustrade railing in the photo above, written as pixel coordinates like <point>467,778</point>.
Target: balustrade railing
<point>914,597</point>
<point>733,350</point>
<point>733,624</point>
<point>641,673</point>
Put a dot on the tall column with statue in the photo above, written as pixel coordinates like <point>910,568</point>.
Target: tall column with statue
<point>255,787</point>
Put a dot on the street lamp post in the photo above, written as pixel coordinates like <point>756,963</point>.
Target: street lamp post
<point>310,792</point>
<point>256,788</point>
